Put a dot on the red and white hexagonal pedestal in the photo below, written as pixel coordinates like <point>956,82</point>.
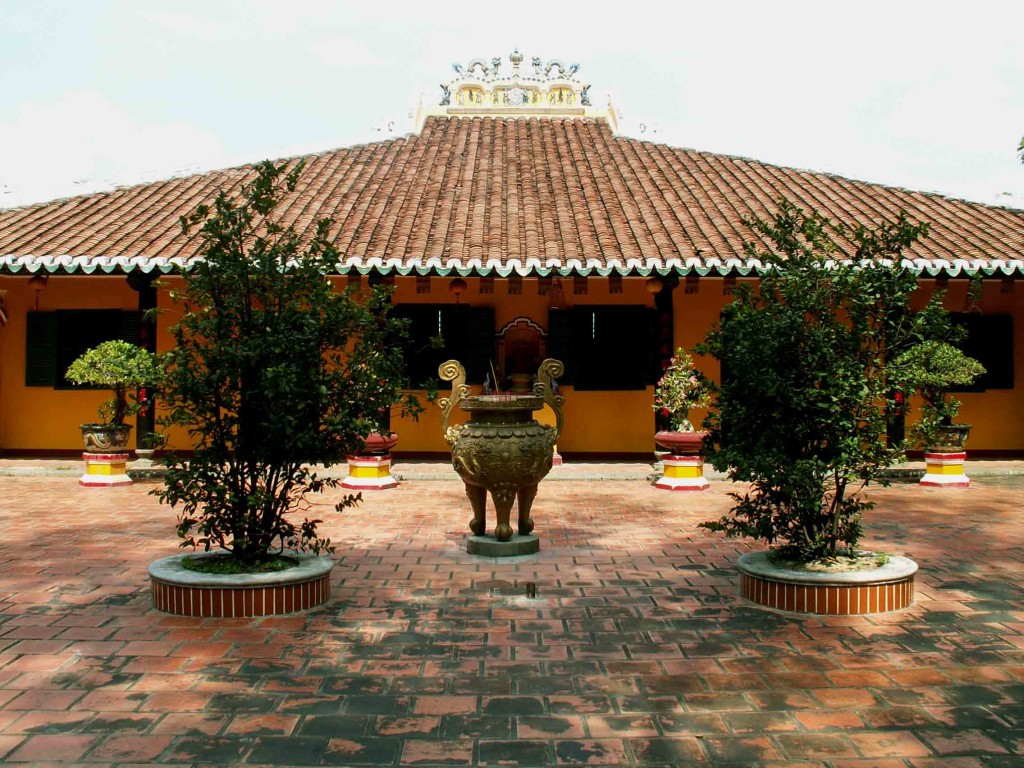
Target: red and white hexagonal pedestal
<point>369,473</point>
<point>105,470</point>
<point>683,473</point>
<point>945,470</point>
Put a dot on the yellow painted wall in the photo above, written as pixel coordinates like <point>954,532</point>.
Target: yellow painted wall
<point>39,418</point>
<point>595,422</point>
<point>44,418</point>
<point>997,415</point>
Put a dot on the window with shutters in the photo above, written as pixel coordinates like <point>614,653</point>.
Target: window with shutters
<point>55,339</point>
<point>605,347</point>
<point>466,334</point>
<point>989,340</point>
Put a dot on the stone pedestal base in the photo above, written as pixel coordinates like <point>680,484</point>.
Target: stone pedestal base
<point>369,473</point>
<point>488,546</point>
<point>104,470</point>
<point>945,470</point>
<point>683,473</point>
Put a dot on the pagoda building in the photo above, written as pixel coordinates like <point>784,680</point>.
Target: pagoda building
<point>518,222</point>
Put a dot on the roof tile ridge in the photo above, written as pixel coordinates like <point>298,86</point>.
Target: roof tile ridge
<point>495,221</point>
<point>630,151</point>
<point>756,195</point>
<point>576,210</point>
<point>172,190</point>
<point>478,212</point>
<point>626,196</point>
<point>351,168</point>
<point>421,155</point>
<point>586,196</point>
<point>358,200</point>
<point>530,194</point>
<point>455,245</point>
<point>16,223</point>
<point>841,178</point>
<point>57,222</point>
<point>551,234</point>
<point>863,207</point>
<point>333,170</point>
<point>955,214</point>
<point>727,167</point>
<point>711,230</point>
<point>512,235</point>
<point>629,246</point>
<point>377,205</point>
<point>393,200</point>
<point>302,207</point>
<point>806,195</point>
<point>206,193</point>
<point>938,240</point>
<point>435,238</point>
<point>673,183</point>
<point>608,239</point>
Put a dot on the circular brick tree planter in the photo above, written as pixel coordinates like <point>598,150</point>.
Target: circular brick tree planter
<point>191,593</point>
<point>889,587</point>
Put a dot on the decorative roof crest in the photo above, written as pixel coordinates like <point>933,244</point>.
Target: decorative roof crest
<point>508,88</point>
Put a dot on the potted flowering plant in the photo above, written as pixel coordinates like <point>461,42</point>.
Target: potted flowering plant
<point>680,389</point>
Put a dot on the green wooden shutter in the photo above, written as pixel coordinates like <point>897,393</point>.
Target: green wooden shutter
<point>479,342</point>
<point>129,327</point>
<point>41,350</point>
<point>561,338</point>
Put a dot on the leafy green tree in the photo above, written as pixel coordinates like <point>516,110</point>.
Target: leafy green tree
<point>272,370</point>
<point>800,413</point>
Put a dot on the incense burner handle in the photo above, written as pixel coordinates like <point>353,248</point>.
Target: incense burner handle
<point>550,370</point>
<point>452,371</point>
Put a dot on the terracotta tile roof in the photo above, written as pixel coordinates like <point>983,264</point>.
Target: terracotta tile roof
<point>502,194</point>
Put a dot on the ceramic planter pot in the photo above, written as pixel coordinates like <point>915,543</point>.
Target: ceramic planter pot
<point>681,443</point>
<point>376,443</point>
<point>950,438</point>
<point>106,437</point>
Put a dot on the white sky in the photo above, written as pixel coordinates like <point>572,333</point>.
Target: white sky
<point>923,95</point>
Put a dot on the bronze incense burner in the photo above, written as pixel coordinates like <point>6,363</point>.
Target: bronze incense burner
<point>502,448</point>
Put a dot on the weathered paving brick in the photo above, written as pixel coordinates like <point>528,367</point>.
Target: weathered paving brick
<point>638,650</point>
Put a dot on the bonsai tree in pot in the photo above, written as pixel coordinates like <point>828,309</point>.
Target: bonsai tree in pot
<point>680,389</point>
<point>932,369</point>
<point>122,367</point>
<point>273,371</point>
<point>801,413</point>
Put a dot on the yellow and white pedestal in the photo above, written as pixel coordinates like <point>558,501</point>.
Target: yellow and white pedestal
<point>369,473</point>
<point>683,473</point>
<point>945,470</point>
<point>105,470</point>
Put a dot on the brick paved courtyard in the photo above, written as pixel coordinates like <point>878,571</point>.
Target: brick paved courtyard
<point>637,650</point>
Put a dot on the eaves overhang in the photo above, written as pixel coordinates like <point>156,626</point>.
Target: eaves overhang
<point>712,266</point>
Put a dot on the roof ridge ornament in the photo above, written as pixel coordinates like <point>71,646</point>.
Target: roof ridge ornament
<point>481,87</point>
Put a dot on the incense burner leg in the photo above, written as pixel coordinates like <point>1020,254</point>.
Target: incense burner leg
<point>526,496</point>
<point>503,500</point>
<point>478,501</point>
